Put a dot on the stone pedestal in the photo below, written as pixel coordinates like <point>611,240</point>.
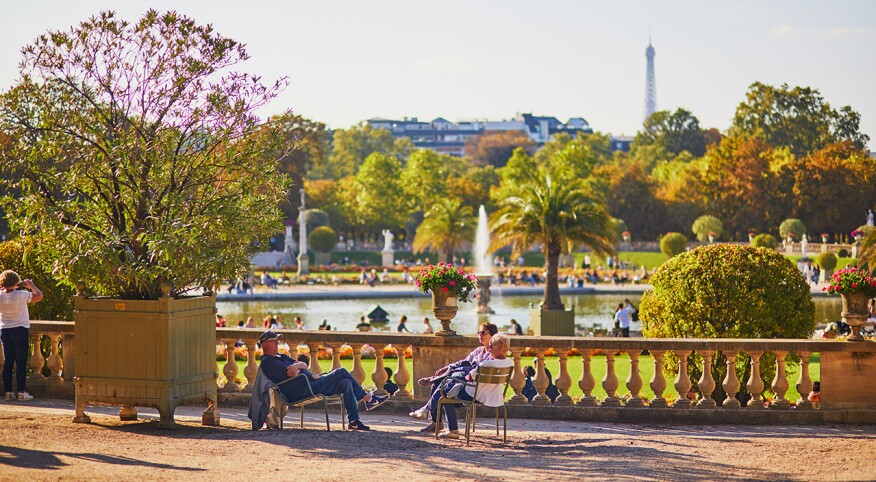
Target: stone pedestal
<point>303,264</point>
<point>387,258</point>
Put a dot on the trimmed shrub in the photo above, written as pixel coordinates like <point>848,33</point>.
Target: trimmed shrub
<point>57,303</point>
<point>322,239</point>
<point>316,218</point>
<point>843,253</point>
<point>673,244</point>
<point>707,224</point>
<point>793,226</point>
<point>728,291</point>
<point>765,241</point>
<point>827,261</point>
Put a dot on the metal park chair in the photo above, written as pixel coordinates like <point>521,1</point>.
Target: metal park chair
<point>484,376</point>
<point>326,400</point>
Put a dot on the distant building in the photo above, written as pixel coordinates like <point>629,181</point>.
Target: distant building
<point>621,143</point>
<point>650,81</point>
<point>443,136</point>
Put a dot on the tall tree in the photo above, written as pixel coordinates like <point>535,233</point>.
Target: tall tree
<point>380,194</point>
<point>676,132</point>
<point>351,146</point>
<point>629,195</point>
<point>425,177</point>
<point>798,118</point>
<point>494,148</point>
<point>557,215</point>
<point>308,144</point>
<point>446,227</point>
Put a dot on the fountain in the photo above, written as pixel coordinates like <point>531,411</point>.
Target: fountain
<point>483,263</point>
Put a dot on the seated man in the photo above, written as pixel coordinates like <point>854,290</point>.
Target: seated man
<point>279,367</point>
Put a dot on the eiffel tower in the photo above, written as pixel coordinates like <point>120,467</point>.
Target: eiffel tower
<point>650,82</point>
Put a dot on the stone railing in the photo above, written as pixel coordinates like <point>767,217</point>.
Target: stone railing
<point>847,369</point>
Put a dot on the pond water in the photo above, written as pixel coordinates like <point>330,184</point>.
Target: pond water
<point>591,311</point>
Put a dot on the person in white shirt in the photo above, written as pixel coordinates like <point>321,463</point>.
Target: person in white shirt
<point>491,395</point>
<point>15,331</point>
<point>622,318</point>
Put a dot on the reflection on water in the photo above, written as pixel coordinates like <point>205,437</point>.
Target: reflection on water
<point>590,311</point>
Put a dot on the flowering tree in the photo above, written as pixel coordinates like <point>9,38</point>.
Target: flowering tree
<point>138,155</point>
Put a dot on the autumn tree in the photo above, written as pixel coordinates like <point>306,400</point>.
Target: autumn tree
<point>308,145</point>
<point>494,148</point>
<point>351,146</point>
<point>675,132</point>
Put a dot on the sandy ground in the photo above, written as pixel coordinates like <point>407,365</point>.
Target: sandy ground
<point>39,442</point>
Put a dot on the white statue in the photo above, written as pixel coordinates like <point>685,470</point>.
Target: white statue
<point>869,217</point>
<point>387,239</point>
<point>803,243</point>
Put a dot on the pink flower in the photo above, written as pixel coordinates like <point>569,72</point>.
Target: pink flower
<point>452,283</point>
<point>854,285</point>
<point>444,289</point>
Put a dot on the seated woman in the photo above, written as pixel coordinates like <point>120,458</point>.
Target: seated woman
<point>490,395</point>
<point>476,357</point>
<point>529,390</point>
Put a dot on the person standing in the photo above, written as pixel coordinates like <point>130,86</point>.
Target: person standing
<point>622,319</point>
<point>15,331</point>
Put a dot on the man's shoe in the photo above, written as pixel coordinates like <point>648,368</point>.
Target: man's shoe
<point>431,428</point>
<point>24,397</point>
<point>420,414</point>
<point>375,402</point>
<point>358,425</point>
<point>10,396</point>
<point>453,434</point>
<point>425,382</point>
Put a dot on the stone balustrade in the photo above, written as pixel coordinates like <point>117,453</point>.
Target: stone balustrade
<point>846,370</point>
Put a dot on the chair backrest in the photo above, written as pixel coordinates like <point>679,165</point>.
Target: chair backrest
<point>494,375</point>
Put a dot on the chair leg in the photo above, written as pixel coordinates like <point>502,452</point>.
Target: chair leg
<point>474,416</point>
<point>343,418</point>
<point>504,424</point>
<point>497,421</point>
<point>468,422</point>
<point>302,416</point>
<point>328,428</point>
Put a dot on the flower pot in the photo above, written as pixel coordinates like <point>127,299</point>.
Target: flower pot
<point>444,307</point>
<point>855,313</point>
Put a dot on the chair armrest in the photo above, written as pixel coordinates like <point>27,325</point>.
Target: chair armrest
<point>444,384</point>
<point>306,381</point>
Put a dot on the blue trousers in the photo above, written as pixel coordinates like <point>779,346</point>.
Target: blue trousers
<point>452,422</point>
<point>341,382</point>
<point>15,348</point>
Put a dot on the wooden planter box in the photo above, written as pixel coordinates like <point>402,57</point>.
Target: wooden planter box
<point>551,322</point>
<point>157,353</point>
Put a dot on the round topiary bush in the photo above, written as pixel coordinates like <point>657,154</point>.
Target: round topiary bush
<point>793,226</point>
<point>728,291</point>
<point>765,241</point>
<point>322,239</point>
<point>705,225</point>
<point>57,303</point>
<point>827,261</point>
<point>843,253</point>
<point>673,244</point>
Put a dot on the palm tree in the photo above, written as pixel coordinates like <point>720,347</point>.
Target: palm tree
<point>867,255</point>
<point>557,215</point>
<point>445,227</point>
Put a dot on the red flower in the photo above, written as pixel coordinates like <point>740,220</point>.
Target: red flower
<point>452,283</point>
<point>445,289</point>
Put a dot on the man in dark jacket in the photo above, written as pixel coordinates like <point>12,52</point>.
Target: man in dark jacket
<point>278,367</point>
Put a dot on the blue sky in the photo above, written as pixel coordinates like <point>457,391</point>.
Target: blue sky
<point>350,60</point>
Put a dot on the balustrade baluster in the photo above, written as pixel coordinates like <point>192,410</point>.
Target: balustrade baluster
<point>252,368</point>
<point>336,357</point>
<point>586,383</point>
<point>540,381</point>
<point>780,382</point>
<point>634,382</point>
<point>55,364</point>
<point>402,375</point>
<point>731,382</point>
<point>36,359</point>
<point>518,379</point>
<point>230,370</point>
<point>610,383</point>
<point>804,383</point>
<point>313,353</point>
<point>682,381</point>
<point>658,381</point>
<point>564,380</point>
<point>755,384</point>
<point>358,372</point>
<point>707,381</point>
<point>68,343</point>
<point>379,375</point>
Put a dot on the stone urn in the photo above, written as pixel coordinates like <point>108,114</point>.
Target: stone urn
<point>444,307</point>
<point>855,313</point>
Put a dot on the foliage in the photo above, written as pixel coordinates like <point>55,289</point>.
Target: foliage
<point>378,192</point>
<point>827,261</point>
<point>139,155</point>
<point>851,280</point>
<point>315,218</point>
<point>350,148</point>
<point>867,256</point>
<point>676,132</point>
<point>557,214</point>
<point>794,227</point>
<point>473,187</point>
<point>57,303</point>
<point>673,244</point>
<point>707,225</point>
<point>305,144</point>
<point>322,239</point>
<point>446,226</point>
<point>446,277</point>
<point>494,148</point>
<point>798,118</point>
<point>425,176</point>
<point>728,291</point>
<point>629,194</point>
<point>765,240</point>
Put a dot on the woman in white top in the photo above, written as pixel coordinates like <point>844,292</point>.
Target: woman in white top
<point>15,331</point>
<point>491,395</point>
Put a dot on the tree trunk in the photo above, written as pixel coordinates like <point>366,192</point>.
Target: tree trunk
<point>552,299</point>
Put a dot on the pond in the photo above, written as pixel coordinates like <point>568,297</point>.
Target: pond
<point>591,311</point>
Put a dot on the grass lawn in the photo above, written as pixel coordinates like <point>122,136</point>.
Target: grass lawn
<point>597,366</point>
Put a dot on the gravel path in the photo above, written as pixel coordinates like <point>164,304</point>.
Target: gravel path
<point>39,442</point>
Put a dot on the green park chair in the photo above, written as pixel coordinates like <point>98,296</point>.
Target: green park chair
<point>484,376</point>
<point>326,400</point>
